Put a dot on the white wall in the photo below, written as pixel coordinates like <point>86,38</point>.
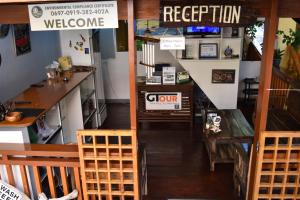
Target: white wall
<point>161,56</point>
<point>248,69</point>
<point>116,76</point>
<point>18,72</point>
<point>223,96</point>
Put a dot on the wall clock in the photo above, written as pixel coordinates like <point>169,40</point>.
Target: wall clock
<point>4,29</point>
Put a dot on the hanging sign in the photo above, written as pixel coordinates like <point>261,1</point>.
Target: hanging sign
<point>169,43</point>
<point>178,13</point>
<point>66,16</point>
<point>163,100</point>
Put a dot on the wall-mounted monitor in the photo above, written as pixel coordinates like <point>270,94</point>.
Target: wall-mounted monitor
<point>202,31</point>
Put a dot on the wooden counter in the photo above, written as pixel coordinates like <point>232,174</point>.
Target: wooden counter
<point>45,97</point>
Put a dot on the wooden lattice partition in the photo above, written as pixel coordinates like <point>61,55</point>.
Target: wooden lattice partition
<point>278,166</point>
<point>108,160</point>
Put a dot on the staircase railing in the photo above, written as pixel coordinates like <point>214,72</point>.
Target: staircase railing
<point>53,169</point>
<point>280,84</point>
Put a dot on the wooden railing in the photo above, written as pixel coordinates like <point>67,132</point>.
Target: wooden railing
<point>280,84</point>
<point>278,166</point>
<point>41,168</point>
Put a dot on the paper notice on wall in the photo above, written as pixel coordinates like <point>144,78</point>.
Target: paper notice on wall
<point>169,43</point>
<point>67,16</point>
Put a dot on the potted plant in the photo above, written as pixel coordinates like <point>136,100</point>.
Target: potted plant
<point>277,57</point>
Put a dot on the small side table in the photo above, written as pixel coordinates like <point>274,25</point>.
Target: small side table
<point>249,90</point>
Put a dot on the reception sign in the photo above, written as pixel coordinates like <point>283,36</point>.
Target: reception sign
<point>66,16</point>
<point>178,13</point>
<point>163,100</point>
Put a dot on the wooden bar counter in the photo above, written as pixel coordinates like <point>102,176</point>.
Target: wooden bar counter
<point>64,106</point>
<point>45,95</point>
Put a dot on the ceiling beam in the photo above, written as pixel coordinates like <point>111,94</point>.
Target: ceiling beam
<point>15,11</point>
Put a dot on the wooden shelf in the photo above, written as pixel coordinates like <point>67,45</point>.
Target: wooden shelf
<point>147,39</point>
<point>208,59</point>
<point>141,63</point>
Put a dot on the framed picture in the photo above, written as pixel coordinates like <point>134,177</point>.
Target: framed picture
<point>208,50</point>
<point>22,39</point>
<point>223,76</point>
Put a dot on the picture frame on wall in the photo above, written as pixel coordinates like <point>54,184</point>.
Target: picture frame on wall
<point>223,76</point>
<point>21,37</point>
<point>208,50</point>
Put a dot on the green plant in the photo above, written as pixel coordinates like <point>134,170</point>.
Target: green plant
<point>278,53</point>
<point>293,38</point>
<point>252,29</point>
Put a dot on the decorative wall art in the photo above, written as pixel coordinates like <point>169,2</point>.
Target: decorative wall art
<point>223,76</point>
<point>22,38</point>
<point>152,28</point>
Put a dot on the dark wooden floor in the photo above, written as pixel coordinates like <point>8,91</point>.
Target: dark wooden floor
<point>178,165</point>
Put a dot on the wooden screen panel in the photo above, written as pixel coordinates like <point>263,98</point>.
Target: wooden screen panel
<point>278,166</point>
<point>108,160</point>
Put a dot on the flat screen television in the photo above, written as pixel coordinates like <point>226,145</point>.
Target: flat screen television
<point>203,31</point>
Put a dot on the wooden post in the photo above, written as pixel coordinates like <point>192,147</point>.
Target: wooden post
<point>271,24</point>
<point>132,63</point>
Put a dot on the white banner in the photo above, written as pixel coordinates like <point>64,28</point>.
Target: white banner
<point>163,100</point>
<point>169,43</point>
<point>66,16</point>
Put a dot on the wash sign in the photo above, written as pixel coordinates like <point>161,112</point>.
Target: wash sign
<point>9,193</point>
<point>67,16</point>
<point>163,100</point>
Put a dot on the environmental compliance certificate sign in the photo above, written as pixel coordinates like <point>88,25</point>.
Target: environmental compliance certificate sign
<point>163,100</point>
<point>66,16</point>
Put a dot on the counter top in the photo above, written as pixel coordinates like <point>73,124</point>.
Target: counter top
<point>45,95</point>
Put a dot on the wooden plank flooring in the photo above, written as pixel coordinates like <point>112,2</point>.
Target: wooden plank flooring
<point>178,165</point>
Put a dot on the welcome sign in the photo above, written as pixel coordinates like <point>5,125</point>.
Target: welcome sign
<point>67,16</point>
<point>177,13</point>
<point>163,100</point>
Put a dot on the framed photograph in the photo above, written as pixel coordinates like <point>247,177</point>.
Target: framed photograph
<point>223,76</point>
<point>22,38</point>
<point>208,50</point>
